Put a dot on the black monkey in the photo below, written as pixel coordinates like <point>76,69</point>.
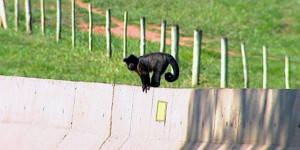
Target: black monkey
<point>156,62</point>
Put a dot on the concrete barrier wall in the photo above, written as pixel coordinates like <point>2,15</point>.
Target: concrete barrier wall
<point>36,114</point>
<point>50,114</point>
<point>91,117</point>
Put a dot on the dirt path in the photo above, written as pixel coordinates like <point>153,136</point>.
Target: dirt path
<point>153,35</point>
<point>133,31</point>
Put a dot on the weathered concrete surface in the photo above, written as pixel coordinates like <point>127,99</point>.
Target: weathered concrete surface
<point>91,117</point>
<point>227,116</point>
<point>36,113</point>
<point>247,119</point>
<point>16,109</point>
<point>48,114</point>
<point>146,132</point>
<point>121,117</point>
<point>201,118</point>
<point>140,119</point>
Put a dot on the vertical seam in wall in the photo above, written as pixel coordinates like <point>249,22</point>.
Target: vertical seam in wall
<point>171,111</point>
<point>73,108</point>
<point>239,113</point>
<point>150,115</point>
<point>130,122</point>
<point>71,120</point>
<point>111,117</point>
<point>215,116</point>
<point>264,111</point>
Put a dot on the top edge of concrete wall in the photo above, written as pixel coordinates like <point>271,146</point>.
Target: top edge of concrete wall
<point>60,80</point>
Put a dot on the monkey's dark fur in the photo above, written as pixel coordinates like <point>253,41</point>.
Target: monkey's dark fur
<point>156,62</point>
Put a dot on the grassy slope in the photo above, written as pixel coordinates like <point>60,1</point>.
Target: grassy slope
<point>38,56</point>
<point>274,23</point>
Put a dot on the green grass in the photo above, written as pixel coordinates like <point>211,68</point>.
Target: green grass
<point>40,56</point>
<point>274,23</point>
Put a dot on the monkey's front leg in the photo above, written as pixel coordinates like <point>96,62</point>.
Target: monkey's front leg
<point>145,81</point>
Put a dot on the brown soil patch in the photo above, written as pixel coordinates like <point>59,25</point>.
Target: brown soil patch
<point>133,31</point>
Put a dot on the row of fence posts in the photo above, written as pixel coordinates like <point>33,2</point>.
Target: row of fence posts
<point>174,42</point>
<point>224,66</point>
<point>3,21</point>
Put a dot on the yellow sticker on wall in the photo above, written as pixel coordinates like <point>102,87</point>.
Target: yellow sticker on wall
<point>161,111</point>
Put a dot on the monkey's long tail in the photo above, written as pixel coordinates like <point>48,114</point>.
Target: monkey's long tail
<point>169,76</point>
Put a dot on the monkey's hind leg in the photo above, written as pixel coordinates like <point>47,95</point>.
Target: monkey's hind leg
<point>145,81</point>
<point>155,80</point>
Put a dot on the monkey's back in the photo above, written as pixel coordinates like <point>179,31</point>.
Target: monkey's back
<point>155,61</point>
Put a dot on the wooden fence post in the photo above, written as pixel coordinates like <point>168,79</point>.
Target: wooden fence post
<point>58,21</point>
<point>28,16</point>
<point>265,66</point>
<point>108,34</point>
<point>90,27</point>
<point>125,34</point>
<point>3,14</point>
<point>42,17</point>
<point>287,72</point>
<point>245,67</point>
<point>73,24</point>
<point>196,56</point>
<point>163,36</point>
<point>224,62</point>
<point>175,41</point>
<point>143,36</point>
<point>16,14</point>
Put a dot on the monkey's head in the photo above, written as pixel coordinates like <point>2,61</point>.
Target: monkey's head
<point>132,62</point>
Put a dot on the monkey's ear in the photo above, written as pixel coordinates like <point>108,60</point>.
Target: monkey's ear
<point>130,57</point>
<point>126,59</point>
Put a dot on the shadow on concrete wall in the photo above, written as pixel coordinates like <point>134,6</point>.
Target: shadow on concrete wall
<point>233,118</point>
<point>201,118</point>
